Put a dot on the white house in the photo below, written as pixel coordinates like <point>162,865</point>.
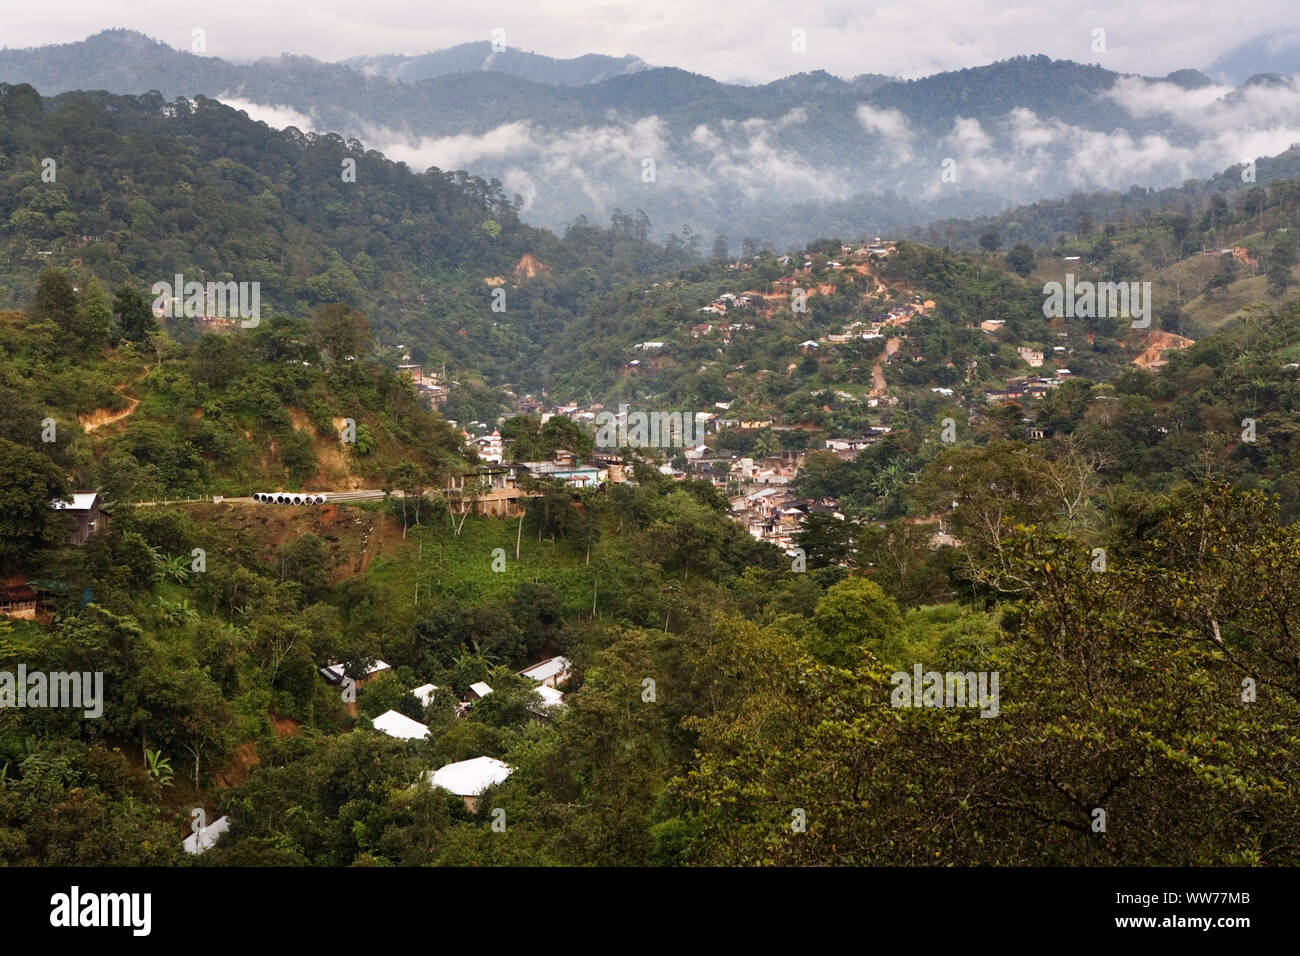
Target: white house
<point>552,672</point>
<point>489,447</point>
<point>1031,355</point>
<point>424,693</point>
<point>469,778</point>
<point>400,726</point>
<point>85,510</point>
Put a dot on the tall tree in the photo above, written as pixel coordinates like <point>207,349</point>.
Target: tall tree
<point>29,482</point>
<point>134,316</point>
<point>340,331</point>
<point>54,301</point>
<point>1021,259</point>
<point>95,314</point>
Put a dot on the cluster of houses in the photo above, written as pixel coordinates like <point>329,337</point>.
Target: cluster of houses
<point>775,515</point>
<point>1025,388</point>
<point>756,485</point>
<point>754,300</point>
<point>467,779</point>
<point>880,326</point>
<point>25,600</point>
<point>729,300</point>
<point>548,676</point>
<point>429,384</point>
<point>725,330</point>
<point>1239,253</point>
<point>767,508</point>
<point>877,247</point>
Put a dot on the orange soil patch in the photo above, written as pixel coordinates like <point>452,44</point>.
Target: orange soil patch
<point>284,726</point>
<point>1158,343</point>
<point>240,766</point>
<point>879,388</point>
<point>335,471</point>
<point>528,267</point>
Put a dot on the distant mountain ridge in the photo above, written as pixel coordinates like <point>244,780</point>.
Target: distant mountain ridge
<point>1277,52</point>
<point>804,156</point>
<point>480,56</point>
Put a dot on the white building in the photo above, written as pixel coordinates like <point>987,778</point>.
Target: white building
<point>552,672</point>
<point>424,693</point>
<point>469,778</point>
<point>400,726</point>
<point>489,447</point>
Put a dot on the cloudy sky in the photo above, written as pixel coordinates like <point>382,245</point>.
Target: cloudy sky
<point>732,40</point>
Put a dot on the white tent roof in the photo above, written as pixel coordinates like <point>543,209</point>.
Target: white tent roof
<point>481,688</point>
<point>424,693</point>
<point>549,695</point>
<point>400,726</point>
<point>469,778</point>
<point>206,839</point>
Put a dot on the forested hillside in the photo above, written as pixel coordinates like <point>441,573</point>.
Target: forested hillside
<point>1074,505</point>
<point>142,189</point>
<point>725,706</point>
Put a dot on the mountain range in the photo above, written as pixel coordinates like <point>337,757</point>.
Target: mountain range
<point>469,57</point>
<point>805,156</point>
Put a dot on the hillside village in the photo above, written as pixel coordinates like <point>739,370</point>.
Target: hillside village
<point>760,485</point>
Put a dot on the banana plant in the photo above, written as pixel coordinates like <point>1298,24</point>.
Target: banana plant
<point>173,567</point>
<point>160,767</point>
